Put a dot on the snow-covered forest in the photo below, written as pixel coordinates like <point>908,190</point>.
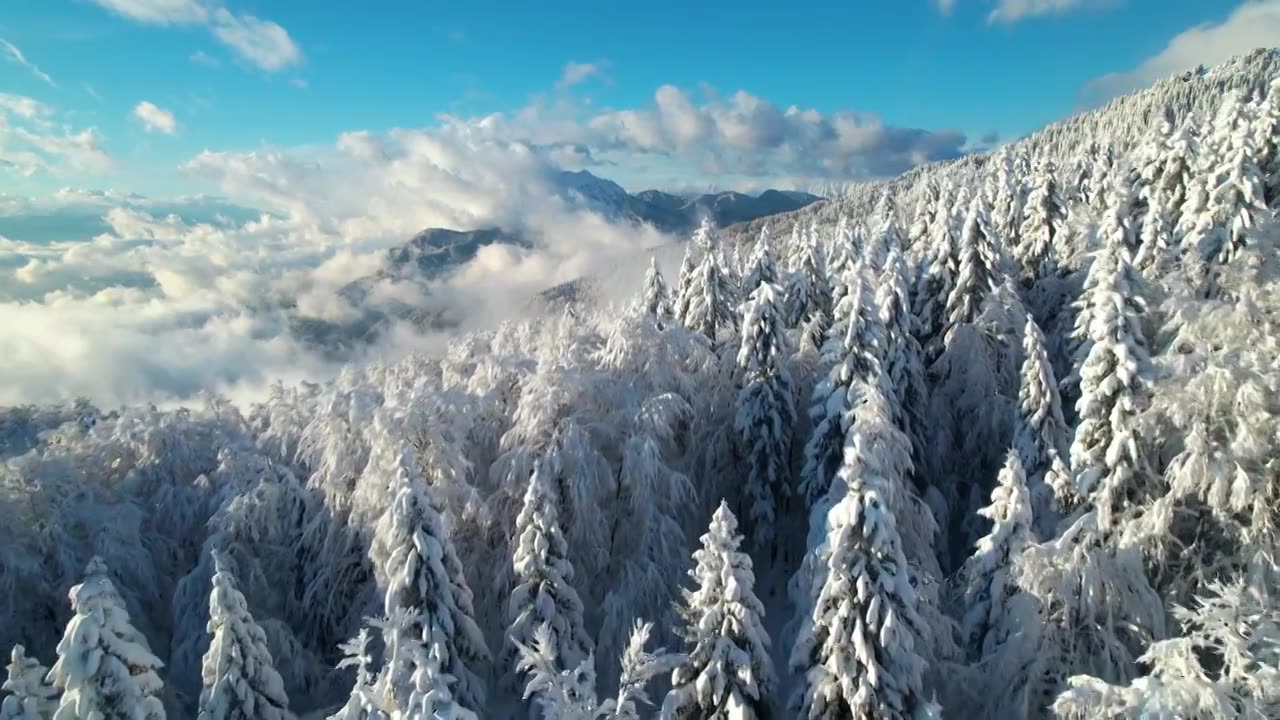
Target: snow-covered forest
<point>994,439</point>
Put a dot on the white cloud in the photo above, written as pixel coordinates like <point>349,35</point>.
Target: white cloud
<point>158,12</point>
<point>576,73</point>
<point>1251,25</point>
<point>155,118</point>
<point>201,57</point>
<point>741,135</point>
<point>1011,11</point>
<point>22,106</point>
<point>30,144</point>
<point>260,42</point>
<point>15,55</point>
<point>946,6</point>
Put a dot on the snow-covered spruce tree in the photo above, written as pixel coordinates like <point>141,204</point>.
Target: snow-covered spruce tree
<point>1266,133</point>
<point>105,668</point>
<point>1040,436</point>
<point>680,299</point>
<point>1106,453</point>
<point>1043,220</point>
<point>1101,176</point>
<point>1004,190</point>
<point>1117,225</point>
<point>902,353</point>
<point>857,648</point>
<point>1236,203</point>
<point>842,252</point>
<point>761,266</point>
<point>922,220</point>
<point>988,586</point>
<point>570,694</point>
<point>1001,622</point>
<point>240,681</point>
<point>544,592</point>
<point>886,237</point>
<point>1166,177</point>
<point>979,272</point>
<point>808,291</point>
<point>655,298</point>
<point>728,673</point>
<point>766,412</point>
<point>936,278</point>
<point>852,353</point>
<point>426,597</point>
<point>1225,666</point>
<point>711,307</point>
<point>432,696</point>
<point>362,703</point>
<point>30,696</point>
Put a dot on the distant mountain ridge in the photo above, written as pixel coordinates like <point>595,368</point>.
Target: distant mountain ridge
<point>675,212</point>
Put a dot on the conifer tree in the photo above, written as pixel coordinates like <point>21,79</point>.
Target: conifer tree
<point>710,307</point>
<point>808,291</point>
<point>1235,204</point>
<point>544,593</point>
<point>988,582</point>
<point>1001,623</point>
<point>1043,222</point>
<point>656,300</point>
<point>1266,133</point>
<point>680,302</point>
<point>362,703</point>
<point>902,353</point>
<point>1166,177</point>
<point>857,650</point>
<point>728,673</point>
<point>852,353</point>
<point>766,411</point>
<point>979,273</point>
<point>921,228</point>
<point>240,679</point>
<point>1040,435</point>
<point>936,279</point>
<point>30,696</point>
<point>1005,189</point>
<point>1105,453</point>
<point>426,596</point>
<point>761,267</point>
<point>432,696</point>
<point>105,668</point>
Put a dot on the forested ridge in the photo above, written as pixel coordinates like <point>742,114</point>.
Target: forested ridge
<point>996,438</point>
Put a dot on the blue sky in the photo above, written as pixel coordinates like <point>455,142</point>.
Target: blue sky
<point>243,75</point>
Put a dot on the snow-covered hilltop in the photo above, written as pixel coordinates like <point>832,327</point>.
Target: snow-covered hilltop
<point>993,439</point>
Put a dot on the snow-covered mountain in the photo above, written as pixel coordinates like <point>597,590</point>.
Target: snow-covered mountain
<point>675,212</point>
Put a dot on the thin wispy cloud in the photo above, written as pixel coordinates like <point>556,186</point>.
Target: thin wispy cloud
<point>263,43</point>
<point>17,57</point>
<point>201,57</point>
<point>1008,12</point>
<point>576,73</point>
<point>155,118</point>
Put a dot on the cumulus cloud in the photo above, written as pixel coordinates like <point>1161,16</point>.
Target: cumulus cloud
<point>1253,24</point>
<point>155,118</point>
<point>30,144</point>
<point>1009,12</point>
<point>15,56</point>
<point>260,42</point>
<point>741,135</point>
<point>268,295</point>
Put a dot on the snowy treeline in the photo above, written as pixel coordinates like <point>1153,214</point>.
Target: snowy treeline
<point>995,439</point>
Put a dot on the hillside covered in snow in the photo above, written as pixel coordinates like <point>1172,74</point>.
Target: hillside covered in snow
<point>996,438</point>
